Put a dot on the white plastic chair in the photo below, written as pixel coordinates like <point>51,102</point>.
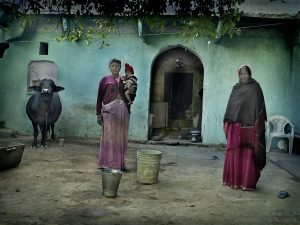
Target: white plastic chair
<point>281,127</point>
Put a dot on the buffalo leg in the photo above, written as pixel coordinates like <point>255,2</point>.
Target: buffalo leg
<point>35,134</point>
<point>52,132</point>
<point>44,133</point>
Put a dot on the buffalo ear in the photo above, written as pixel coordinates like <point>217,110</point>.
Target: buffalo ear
<point>35,88</point>
<point>59,88</point>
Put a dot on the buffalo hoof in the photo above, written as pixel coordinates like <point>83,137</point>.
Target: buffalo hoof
<point>34,145</point>
<point>44,146</point>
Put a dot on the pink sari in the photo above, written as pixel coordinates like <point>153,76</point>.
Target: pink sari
<point>240,170</point>
<point>113,145</point>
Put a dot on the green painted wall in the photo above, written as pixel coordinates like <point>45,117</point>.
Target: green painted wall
<point>80,68</point>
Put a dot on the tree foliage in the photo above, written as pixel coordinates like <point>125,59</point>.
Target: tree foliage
<point>196,17</point>
<point>137,8</point>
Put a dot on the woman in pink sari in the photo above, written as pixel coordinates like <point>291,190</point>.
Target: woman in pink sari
<point>113,115</point>
<point>244,127</point>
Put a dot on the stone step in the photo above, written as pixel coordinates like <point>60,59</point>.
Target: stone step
<point>8,133</point>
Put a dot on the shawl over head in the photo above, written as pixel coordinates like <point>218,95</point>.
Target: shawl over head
<point>245,103</point>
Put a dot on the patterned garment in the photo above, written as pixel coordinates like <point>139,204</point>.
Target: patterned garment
<point>130,82</point>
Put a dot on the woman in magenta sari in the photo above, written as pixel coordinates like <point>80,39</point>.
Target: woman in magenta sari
<point>113,116</point>
<point>244,127</point>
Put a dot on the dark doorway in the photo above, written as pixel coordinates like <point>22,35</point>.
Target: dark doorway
<point>175,95</point>
<point>178,91</point>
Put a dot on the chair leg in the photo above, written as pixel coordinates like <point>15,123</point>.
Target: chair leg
<point>269,141</point>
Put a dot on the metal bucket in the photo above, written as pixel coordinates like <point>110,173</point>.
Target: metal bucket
<point>148,163</point>
<point>110,182</point>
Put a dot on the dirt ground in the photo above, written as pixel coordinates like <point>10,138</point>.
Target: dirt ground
<point>61,185</point>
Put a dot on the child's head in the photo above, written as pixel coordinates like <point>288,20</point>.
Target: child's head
<point>128,69</point>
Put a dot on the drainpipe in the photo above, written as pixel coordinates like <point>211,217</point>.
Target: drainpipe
<point>218,32</point>
<point>65,24</point>
<point>140,29</point>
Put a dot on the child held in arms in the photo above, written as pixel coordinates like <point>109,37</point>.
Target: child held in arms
<point>130,84</point>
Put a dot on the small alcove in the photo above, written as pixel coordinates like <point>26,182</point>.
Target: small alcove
<point>44,48</point>
<point>38,70</point>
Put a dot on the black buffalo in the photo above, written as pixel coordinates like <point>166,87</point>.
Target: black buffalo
<point>43,109</point>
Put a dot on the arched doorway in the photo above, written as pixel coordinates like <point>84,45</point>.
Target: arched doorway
<point>176,93</point>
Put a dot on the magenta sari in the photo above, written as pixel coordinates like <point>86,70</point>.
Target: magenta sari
<point>115,113</point>
<point>113,145</point>
<point>240,170</point>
